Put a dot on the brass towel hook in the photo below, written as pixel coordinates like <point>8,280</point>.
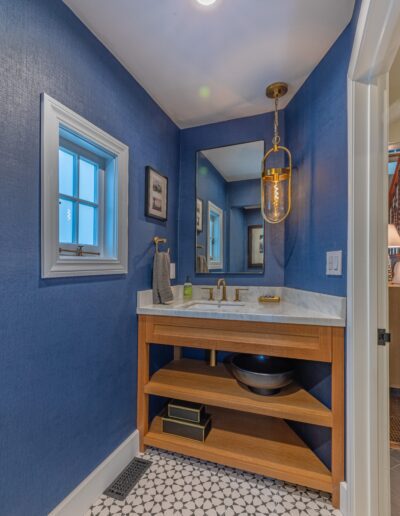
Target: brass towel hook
<point>158,240</point>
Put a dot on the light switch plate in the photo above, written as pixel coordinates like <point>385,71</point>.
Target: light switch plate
<point>172,271</point>
<point>334,263</point>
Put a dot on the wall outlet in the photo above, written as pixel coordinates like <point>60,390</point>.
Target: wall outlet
<point>172,271</point>
<point>334,263</point>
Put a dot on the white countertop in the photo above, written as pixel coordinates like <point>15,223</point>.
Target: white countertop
<point>295,307</point>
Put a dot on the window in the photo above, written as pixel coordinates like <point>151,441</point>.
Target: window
<point>215,241</point>
<point>84,196</point>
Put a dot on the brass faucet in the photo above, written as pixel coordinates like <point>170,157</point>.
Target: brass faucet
<point>221,282</point>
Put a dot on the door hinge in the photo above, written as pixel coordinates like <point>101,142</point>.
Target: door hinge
<point>383,337</point>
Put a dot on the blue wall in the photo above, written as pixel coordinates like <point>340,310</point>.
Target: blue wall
<point>316,134</point>
<point>211,186</point>
<point>244,193</point>
<point>252,218</point>
<point>67,347</point>
<point>236,131</point>
<point>241,194</point>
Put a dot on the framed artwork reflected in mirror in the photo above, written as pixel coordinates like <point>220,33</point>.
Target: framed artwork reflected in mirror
<point>255,254</point>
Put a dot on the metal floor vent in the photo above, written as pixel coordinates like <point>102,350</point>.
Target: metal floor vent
<point>124,483</point>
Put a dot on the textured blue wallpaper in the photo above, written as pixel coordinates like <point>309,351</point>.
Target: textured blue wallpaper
<point>67,347</point>
<point>241,194</point>
<point>211,186</point>
<point>316,133</point>
<point>240,130</point>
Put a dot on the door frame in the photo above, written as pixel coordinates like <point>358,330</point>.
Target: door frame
<point>377,39</point>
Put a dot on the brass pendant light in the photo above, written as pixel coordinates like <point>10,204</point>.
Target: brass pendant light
<point>276,183</point>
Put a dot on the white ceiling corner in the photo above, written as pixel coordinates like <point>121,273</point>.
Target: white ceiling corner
<point>205,65</point>
<point>237,162</point>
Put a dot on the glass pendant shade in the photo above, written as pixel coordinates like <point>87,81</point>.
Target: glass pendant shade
<point>276,189</point>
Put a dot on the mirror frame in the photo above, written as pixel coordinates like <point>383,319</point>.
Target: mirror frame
<point>257,273</point>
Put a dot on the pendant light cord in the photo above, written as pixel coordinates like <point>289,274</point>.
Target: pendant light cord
<point>276,139</point>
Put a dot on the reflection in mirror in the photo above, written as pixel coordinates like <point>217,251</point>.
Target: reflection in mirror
<point>229,224</point>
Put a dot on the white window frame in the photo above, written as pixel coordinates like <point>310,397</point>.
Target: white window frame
<point>113,258</point>
<point>212,264</point>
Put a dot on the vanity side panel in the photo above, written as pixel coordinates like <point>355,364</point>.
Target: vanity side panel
<point>143,377</point>
<point>338,428</point>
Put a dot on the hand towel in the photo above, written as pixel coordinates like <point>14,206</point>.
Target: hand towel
<point>202,263</point>
<point>162,292</point>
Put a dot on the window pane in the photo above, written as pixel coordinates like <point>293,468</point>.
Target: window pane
<point>87,225</point>
<point>65,172</point>
<point>392,167</point>
<point>87,180</point>
<point>66,221</point>
<point>214,237</point>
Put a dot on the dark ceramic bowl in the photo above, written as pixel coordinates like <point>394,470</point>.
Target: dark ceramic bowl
<point>262,374</point>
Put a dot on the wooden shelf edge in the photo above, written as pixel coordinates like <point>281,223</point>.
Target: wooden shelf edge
<point>184,447</point>
<point>272,450</point>
<point>233,396</point>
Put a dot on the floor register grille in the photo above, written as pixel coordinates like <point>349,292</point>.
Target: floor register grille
<point>129,477</point>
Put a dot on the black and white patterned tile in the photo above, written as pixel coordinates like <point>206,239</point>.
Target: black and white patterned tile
<point>183,486</point>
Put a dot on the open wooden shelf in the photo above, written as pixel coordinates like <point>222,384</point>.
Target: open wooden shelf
<point>249,431</point>
<point>195,380</point>
<point>255,443</point>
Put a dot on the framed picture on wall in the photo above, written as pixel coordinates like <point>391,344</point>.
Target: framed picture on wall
<point>255,255</point>
<point>199,215</point>
<point>156,194</point>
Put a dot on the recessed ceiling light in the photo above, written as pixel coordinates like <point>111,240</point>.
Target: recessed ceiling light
<point>206,2</point>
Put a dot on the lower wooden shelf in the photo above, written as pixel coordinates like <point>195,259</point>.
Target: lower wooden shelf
<point>195,380</point>
<point>259,444</point>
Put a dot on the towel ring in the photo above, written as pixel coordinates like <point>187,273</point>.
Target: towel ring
<point>158,240</point>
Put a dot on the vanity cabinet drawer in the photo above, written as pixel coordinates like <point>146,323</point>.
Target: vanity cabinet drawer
<point>285,340</point>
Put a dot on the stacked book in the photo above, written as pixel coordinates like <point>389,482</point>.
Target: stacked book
<point>186,419</point>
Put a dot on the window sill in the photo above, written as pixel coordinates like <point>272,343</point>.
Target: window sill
<point>84,266</point>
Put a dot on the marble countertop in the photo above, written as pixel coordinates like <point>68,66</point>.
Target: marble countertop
<point>296,306</point>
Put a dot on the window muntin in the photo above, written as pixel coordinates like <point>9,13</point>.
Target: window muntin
<point>79,209</point>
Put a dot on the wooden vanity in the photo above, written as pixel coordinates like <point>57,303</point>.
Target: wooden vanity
<point>249,431</point>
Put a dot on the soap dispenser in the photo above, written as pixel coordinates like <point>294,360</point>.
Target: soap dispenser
<point>187,289</point>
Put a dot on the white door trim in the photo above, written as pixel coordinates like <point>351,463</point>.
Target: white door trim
<point>368,474</point>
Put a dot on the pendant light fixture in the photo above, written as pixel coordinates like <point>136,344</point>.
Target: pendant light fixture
<point>276,183</point>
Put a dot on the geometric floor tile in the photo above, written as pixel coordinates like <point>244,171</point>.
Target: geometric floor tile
<point>395,481</point>
<point>176,485</point>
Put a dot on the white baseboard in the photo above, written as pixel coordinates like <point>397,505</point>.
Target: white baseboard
<point>87,492</point>
<point>343,499</point>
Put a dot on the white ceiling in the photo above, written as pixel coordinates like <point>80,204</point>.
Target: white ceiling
<point>208,64</point>
<point>237,162</point>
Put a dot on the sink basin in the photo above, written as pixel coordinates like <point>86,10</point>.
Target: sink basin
<point>213,306</point>
<point>262,374</point>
